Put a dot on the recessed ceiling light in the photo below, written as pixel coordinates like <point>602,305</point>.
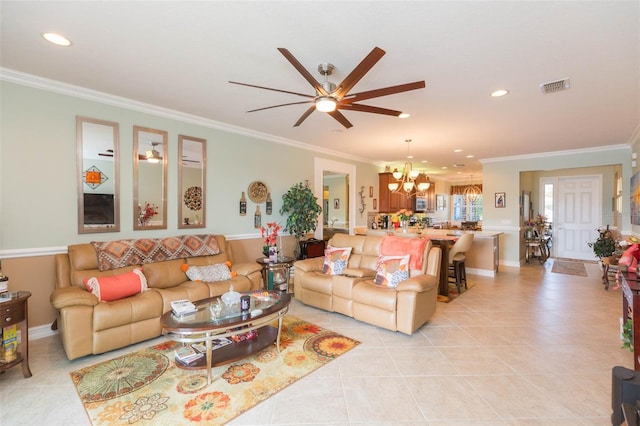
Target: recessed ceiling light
<point>469,156</point>
<point>57,39</point>
<point>457,150</point>
<point>499,93</point>
<point>404,115</point>
<point>444,167</point>
<point>424,161</point>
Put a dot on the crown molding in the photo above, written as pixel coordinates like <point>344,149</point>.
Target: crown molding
<point>556,153</point>
<point>24,79</point>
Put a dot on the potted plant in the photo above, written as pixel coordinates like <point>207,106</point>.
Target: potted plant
<point>303,210</point>
<point>605,245</point>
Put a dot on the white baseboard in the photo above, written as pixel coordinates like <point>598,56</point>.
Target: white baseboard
<point>41,331</point>
<point>481,272</point>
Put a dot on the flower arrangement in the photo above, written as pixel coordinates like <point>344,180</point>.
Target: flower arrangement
<point>530,224</point>
<point>540,221</point>
<point>270,233</point>
<point>404,214</point>
<point>146,213</point>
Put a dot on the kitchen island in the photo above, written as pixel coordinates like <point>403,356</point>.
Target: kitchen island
<point>482,259</point>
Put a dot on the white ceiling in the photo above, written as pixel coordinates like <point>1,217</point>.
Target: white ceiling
<point>181,55</point>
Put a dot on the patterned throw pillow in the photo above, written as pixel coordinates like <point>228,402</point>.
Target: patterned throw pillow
<point>117,286</point>
<point>210,273</point>
<point>335,260</point>
<point>392,270</point>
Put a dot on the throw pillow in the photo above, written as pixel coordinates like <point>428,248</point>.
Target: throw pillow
<point>335,260</point>
<point>392,270</point>
<point>210,273</point>
<point>117,286</point>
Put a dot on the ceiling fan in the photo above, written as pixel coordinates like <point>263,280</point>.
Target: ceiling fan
<point>331,98</point>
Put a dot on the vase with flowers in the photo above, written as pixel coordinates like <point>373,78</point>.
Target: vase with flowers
<point>404,215</point>
<point>529,225</point>
<point>270,239</point>
<point>540,223</point>
<point>146,213</point>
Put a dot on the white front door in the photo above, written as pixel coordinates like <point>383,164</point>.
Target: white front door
<point>579,216</point>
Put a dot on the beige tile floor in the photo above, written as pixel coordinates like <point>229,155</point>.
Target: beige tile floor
<point>529,347</point>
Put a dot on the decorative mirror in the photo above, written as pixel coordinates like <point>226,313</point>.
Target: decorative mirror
<point>149,178</point>
<point>98,175</point>
<point>191,182</point>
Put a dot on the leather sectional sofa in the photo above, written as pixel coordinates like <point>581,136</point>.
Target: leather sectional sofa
<point>89,326</point>
<point>354,291</point>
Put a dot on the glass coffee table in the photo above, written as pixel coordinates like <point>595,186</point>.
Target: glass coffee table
<point>215,320</point>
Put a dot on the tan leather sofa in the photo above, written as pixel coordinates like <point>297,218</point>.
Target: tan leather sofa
<point>354,293</point>
<point>88,326</point>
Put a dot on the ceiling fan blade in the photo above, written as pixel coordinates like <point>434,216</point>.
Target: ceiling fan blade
<point>385,91</point>
<point>372,109</point>
<point>269,88</point>
<point>105,155</point>
<point>359,71</point>
<point>302,70</point>
<point>340,118</point>
<point>304,116</point>
<point>281,105</point>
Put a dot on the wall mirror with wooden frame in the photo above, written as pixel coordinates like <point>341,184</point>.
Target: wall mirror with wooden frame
<point>191,182</point>
<point>98,162</point>
<point>149,178</point>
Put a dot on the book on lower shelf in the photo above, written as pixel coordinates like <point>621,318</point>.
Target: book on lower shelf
<point>215,344</point>
<point>187,354</point>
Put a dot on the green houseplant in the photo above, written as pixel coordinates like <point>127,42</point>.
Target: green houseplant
<point>303,210</point>
<point>605,245</point>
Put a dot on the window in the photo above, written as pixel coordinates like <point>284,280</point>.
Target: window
<point>467,210</point>
<point>548,201</point>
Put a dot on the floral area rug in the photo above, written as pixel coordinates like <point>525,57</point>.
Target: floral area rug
<point>146,387</point>
<point>453,292</point>
<point>569,268</point>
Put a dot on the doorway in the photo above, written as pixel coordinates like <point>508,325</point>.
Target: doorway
<point>323,166</point>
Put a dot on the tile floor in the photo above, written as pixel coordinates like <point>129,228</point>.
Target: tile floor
<point>530,347</point>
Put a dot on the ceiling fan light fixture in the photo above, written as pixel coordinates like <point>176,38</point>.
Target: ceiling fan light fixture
<point>153,156</point>
<point>326,104</point>
<point>404,115</point>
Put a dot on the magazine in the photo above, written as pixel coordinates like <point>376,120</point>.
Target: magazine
<point>215,344</point>
<point>187,355</point>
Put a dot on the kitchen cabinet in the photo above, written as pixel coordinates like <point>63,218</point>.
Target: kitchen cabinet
<point>391,202</point>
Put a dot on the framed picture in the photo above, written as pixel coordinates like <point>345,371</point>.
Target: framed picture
<point>336,203</point>
<point>375,204</point>
<point>440,202</point>
<point>500,200</point>
<point>371,192</point>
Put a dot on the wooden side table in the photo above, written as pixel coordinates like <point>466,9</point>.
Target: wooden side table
<point>15,311</point>
<point>281,267</point>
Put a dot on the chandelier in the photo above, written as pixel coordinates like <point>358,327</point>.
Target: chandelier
<point>409,181</point>
<point>471,192</point>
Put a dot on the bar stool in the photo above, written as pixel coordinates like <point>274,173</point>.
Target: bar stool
<point>457,257</point>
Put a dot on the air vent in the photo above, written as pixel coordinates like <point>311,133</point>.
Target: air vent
<point>555,86</point>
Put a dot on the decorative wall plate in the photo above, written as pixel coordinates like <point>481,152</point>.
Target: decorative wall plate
<point>258,192</point>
